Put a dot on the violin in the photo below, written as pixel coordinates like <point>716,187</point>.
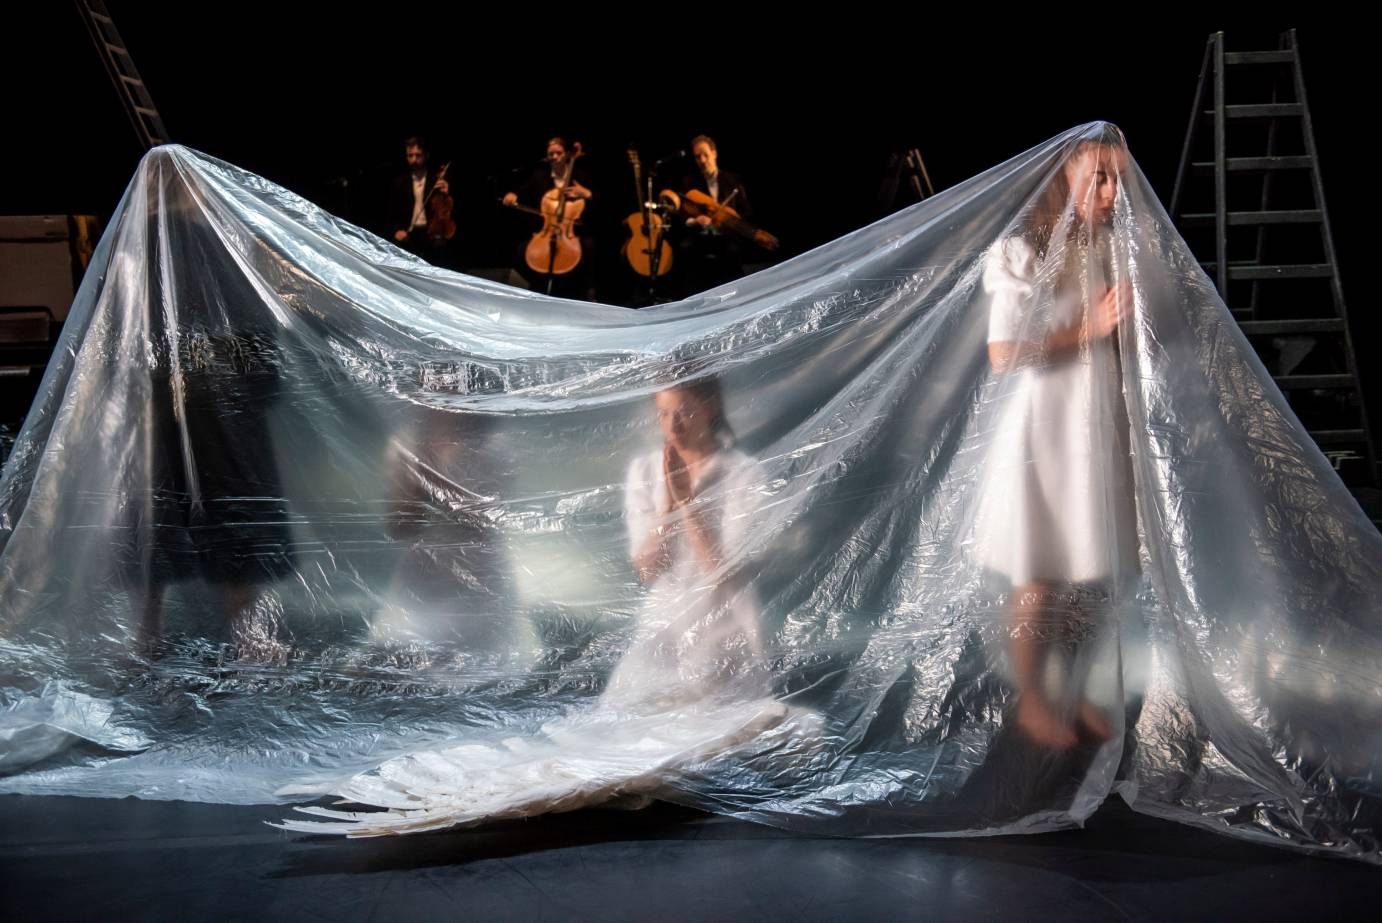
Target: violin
<point>646,226</point>
<point>722,216</point>
<point>440,227</point>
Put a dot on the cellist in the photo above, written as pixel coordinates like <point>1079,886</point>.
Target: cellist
<point>553,174</point>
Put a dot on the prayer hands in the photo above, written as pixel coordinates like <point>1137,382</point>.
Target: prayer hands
<point>677,475</point>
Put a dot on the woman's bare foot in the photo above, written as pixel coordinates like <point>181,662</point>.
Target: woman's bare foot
<point>1041,723</point>
<point>1094,722</point>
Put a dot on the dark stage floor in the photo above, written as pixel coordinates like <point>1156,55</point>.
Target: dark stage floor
<point>77,859</point>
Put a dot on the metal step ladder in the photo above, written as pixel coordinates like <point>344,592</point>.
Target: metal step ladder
<point>139,105</point>
<point>1264,225</point>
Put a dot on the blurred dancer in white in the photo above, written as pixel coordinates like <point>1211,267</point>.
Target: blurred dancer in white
<point>1056,515</point>
<point>689,506</point>
<point>690,688</point>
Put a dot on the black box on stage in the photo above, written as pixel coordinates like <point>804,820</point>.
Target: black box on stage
<point>42,259</point>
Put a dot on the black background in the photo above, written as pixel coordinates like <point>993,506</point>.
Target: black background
<point>805,104</point>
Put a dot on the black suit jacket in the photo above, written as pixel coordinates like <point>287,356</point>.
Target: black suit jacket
<point>398,213</point>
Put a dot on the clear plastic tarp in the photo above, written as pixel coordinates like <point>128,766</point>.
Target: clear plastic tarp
<point>962,523</point>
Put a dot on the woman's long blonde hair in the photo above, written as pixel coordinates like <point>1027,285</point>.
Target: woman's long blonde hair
<point>1045,214</point>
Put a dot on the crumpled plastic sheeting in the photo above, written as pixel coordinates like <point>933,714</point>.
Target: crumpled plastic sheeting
<point>34,728</point>
<point>291,505</point>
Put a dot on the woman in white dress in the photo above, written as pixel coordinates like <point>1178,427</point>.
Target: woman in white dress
<point>1056,515</point>
<point>689,506</point>
<point>689,690</point>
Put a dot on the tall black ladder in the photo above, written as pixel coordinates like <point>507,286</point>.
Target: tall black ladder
<point>139,105</point>
<point>1273,257</point>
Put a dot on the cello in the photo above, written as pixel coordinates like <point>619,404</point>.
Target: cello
<point>556,249</point>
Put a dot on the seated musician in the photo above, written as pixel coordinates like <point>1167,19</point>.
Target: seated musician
<point>409,194</point>
<point>707,255</point>
<point>553,174</point>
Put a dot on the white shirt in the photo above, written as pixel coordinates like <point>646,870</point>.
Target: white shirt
<point>419,206</point>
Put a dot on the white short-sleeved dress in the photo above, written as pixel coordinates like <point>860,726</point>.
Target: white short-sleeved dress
<point>1056,502</point>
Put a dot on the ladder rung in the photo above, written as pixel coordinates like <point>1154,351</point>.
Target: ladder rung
<point>1239,219</point>
<point>117,49</point>
<point>1258,271</point>
<point>1261,111</point>
<point>153,114</point>
<point>1255,164</point>
<point>1259,57</point>
<point>1315,325</point>
<point>1313,382</point>
<point>1282,216</point>
<point>1336,436</point>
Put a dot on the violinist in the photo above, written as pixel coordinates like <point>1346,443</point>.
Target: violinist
<point>708,255</point>
<point>560,171</point>
<point>410,195</point>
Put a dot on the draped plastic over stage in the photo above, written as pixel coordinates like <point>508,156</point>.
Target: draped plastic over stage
<point>962,523</point>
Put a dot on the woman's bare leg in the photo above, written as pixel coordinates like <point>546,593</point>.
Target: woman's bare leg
<point>1036,624</point>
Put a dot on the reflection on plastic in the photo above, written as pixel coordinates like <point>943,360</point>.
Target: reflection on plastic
<point>960,523</point>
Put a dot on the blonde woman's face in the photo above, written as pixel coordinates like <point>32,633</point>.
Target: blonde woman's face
<point>1093,175</point>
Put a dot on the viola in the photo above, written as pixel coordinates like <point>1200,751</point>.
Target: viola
<point>723,217</point>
